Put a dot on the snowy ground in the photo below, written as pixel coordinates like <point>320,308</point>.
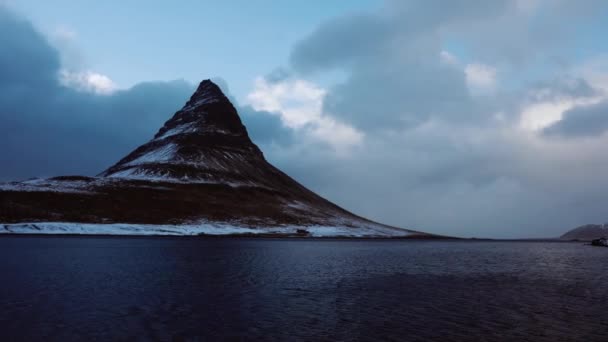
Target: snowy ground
<point>188,230</point>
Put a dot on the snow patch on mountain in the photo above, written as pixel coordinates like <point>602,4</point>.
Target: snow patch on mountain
<point>202,100</point>
<point>181,129</point>
<point>162,154</point>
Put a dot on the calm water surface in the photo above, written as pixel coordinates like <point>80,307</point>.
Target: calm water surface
<point>96,288</point>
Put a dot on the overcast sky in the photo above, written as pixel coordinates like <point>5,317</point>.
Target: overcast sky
<point>465,117</point>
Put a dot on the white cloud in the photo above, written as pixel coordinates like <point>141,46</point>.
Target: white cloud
<point>75,73</point>
<point>546,107</point>
<point>299,102</point>
<point>87,81</point>
<point>448,58</point>
<point>300,105</point>
<point>537,116</point>
<point>64,33</point>
<point>480,78</point>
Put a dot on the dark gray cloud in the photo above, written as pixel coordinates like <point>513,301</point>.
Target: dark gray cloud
<point>392,56</point>
<point>349,40</point>
<point>394,96</point>
<point>31,59</point>
<point>266,128</point>
<point>397,78</point>
<point>581,121</point>
<point>436,155</point>
<point>565,87</point>
<point>340,42</point>
<point>47,129</point>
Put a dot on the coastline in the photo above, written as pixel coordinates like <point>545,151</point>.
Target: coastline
<point>293,237</point>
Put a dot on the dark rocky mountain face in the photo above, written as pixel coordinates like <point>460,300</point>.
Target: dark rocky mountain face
<point>205,141</point>
<point>201,166</point>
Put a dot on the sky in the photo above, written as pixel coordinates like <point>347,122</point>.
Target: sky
<point>468,118</point>
<point>134,41</point>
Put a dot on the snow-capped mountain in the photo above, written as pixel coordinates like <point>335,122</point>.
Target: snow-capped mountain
<point>201,173</point>
<point>205,141</point>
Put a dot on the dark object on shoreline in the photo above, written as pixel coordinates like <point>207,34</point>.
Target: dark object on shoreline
<point>601,242</point>
<point>303,232</point>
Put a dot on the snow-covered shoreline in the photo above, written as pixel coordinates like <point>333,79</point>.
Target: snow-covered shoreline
<point>216,229</point>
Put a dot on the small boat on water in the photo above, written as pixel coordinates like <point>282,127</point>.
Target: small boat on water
<point>602,242</point>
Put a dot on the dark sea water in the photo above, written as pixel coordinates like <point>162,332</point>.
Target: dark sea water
<point>100,288</point>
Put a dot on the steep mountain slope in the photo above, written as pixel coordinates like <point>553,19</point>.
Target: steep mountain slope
<point>200,173</point>
<point>204,142</point>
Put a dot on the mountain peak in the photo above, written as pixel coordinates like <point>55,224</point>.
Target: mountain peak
<point>203,138</point>
<point>207,112</point>
<point>207,92</point>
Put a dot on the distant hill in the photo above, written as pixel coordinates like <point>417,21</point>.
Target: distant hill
<point>587,232</point>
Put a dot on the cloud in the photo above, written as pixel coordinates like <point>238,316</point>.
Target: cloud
<point>397,77</point>
<point>264,127</point>
<point>55,122</point>
<point>299,103</point>
<point>31,59</point>
<point>581,121</point>
<point>438,156</point>
<point>480,78</point>
<point>64,33</point>
<point>87,81</point>
<point>547,103</point>
<point>448,58</point>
